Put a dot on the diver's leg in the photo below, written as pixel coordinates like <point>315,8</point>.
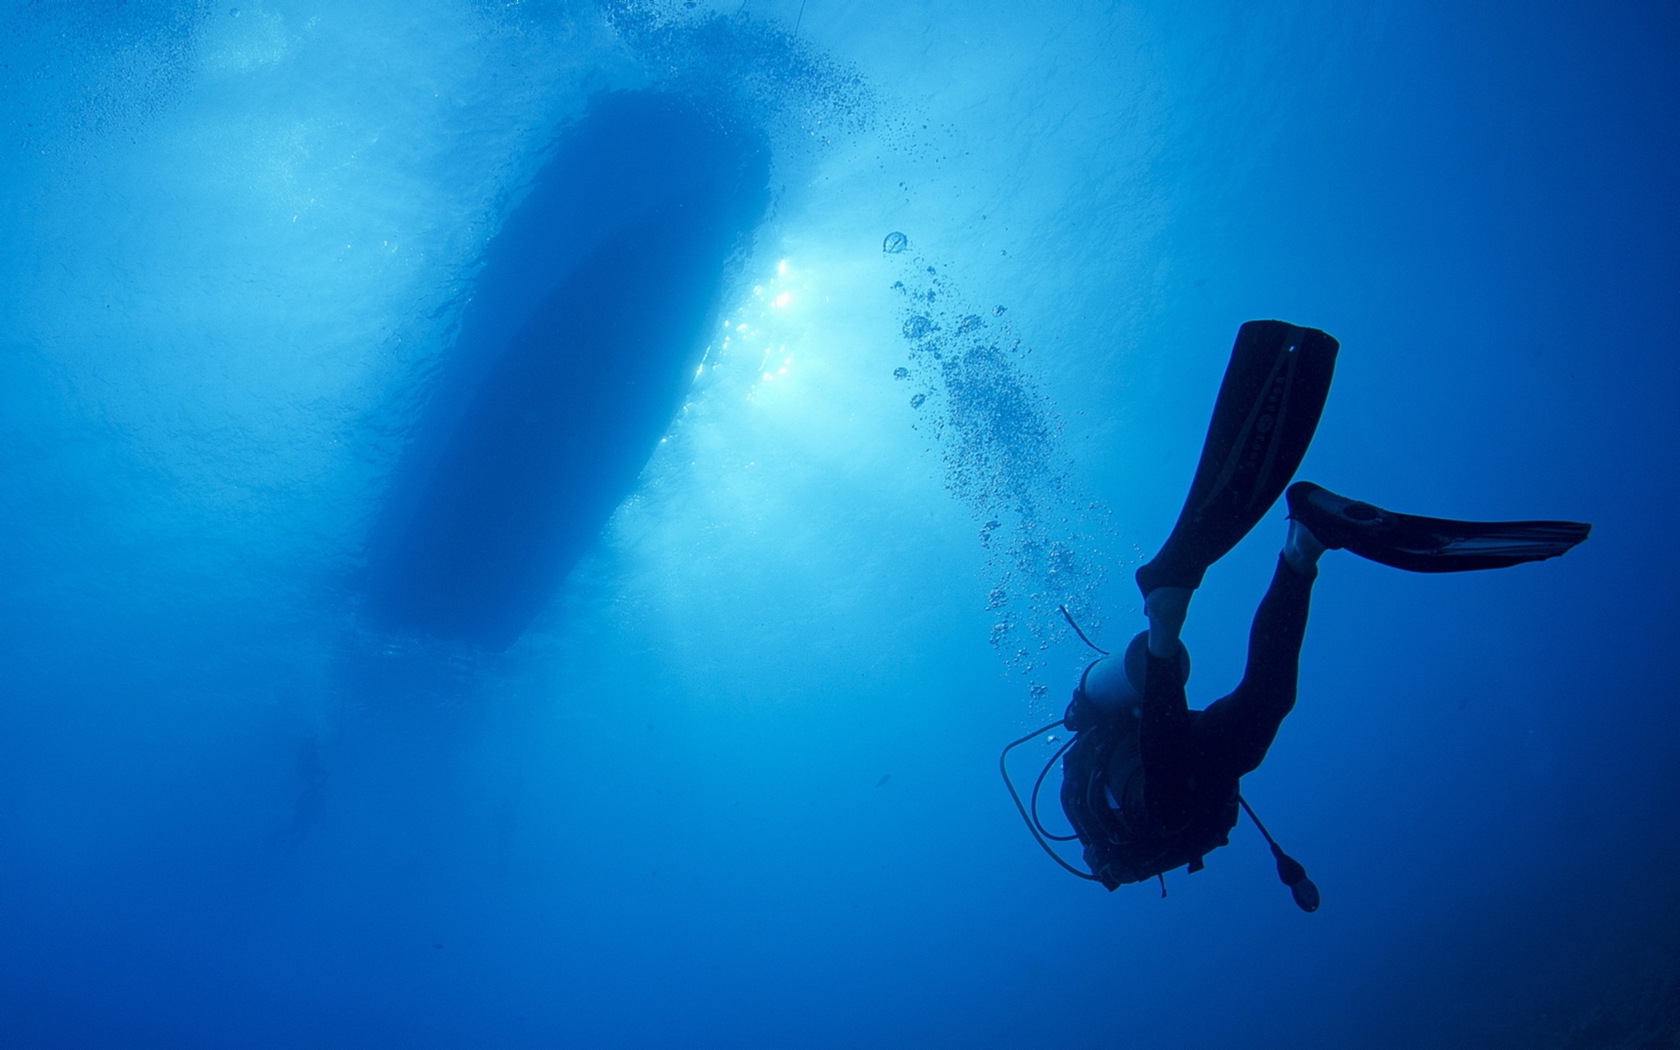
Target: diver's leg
<point>1167,608</point>
<point>1234,733</point>
<point>1165,741</point>
<point>1302,549</point>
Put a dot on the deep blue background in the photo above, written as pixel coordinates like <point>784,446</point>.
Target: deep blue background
<point>737,787</point>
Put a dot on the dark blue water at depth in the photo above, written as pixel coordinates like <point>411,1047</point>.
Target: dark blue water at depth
<point>528,525</point>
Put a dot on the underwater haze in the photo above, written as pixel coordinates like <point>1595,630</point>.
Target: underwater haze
<point>757,467</point>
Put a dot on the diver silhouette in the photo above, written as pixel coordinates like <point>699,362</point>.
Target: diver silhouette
<point>1150,785</point>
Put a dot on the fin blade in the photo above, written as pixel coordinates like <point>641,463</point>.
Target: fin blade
<point>1268,407</point>
<point>1447,545</point>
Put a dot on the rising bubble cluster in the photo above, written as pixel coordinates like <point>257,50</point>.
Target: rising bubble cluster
<point>999,439</point>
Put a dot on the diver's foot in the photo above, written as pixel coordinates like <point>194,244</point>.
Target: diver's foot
<point>1301,549</point>
<point>1334,521</point>
<point>1167,569</point>
<point>1167,609</point>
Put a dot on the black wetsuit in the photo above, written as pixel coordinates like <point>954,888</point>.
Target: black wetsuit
<point>1154,786</point>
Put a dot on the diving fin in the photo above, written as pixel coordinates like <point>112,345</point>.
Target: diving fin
<point>1418,544</point>
<point>1268,407</point>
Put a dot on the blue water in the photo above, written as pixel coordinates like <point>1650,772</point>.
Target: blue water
<point>736,784</point>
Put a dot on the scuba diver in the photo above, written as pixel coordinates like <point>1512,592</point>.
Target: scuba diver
<point>1149,785</point>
